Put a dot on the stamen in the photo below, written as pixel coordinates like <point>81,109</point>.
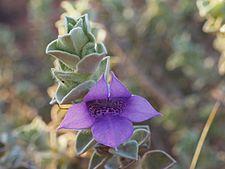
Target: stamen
<point>110,106</point>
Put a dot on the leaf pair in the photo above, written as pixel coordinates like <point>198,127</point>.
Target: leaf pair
<point>73,86</point>
<point>78,48</point>
<point>125,155</point>
<point>80,60</point>
<point>129,150</point>
<point>86,64</point>
<point>108,157</point>
<point>110,160</point>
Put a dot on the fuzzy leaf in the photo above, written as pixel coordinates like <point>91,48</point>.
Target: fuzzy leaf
<point>86,23</point>
<point>127,150</point>
<point>79,23</point>
<point>157,159</point>
<point>101,48</point>
<point>66,95</point>
<point>84,141</point>
<point>146,127</point>
<point>103,67</point>
<point>61,92</point>
<point>69,78</point>
<point>78,43</point>
<point>69,59</point>
<point>69,23</point>
<point>65,43</point>
<point>88,49</point>
<point>72,85</point>
<point>112,163</point>
<point>79,39</point>
<point>89,63</point>
<point>87,28</point>
<point>59,65</point>
<point>97,162</point>
<point>140,135</point>
<point>82,22</point>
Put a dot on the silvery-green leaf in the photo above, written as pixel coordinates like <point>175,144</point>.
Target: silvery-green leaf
<point>86,23</point>
<point>61,92</point>
<point>79,23</point>
<point>79,39</point>
<point>65,43</point>
<point>157,159</point>
<point>146,127</point>
<point>147,142</point>
<point>88,49</point>
<point>140,135</point>
<point>103,67</point>
<point>69,23</point>
<point>127,150</point>
<point>112,163</point>
<point>59,65</point>
<point>84,141</point>
<point>67,95</point>
<point>82,22</point>
<point>97,162</point>
<point>130,164</point>
<point>69,59</point>
<point>100,48</point>
<point>89,63</point>
<point>69,78</point>
<point>87,28</point>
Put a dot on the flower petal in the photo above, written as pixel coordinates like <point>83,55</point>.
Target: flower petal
<point>112,130</point>
<point>77,118</point>
<point>98,91</point>
<point>117,89</point>
<point>138,109</point>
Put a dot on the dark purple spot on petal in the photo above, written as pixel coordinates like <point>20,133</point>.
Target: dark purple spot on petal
<point>110,106</point>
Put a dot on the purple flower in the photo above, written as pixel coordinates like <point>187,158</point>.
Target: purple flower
<point>109,110</point>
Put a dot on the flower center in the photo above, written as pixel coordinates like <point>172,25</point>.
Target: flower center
<point>111,106</point>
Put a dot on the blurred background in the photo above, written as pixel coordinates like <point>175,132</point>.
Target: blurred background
<point>169,51</point>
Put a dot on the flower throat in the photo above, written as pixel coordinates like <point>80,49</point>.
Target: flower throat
<point>110,106</point>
